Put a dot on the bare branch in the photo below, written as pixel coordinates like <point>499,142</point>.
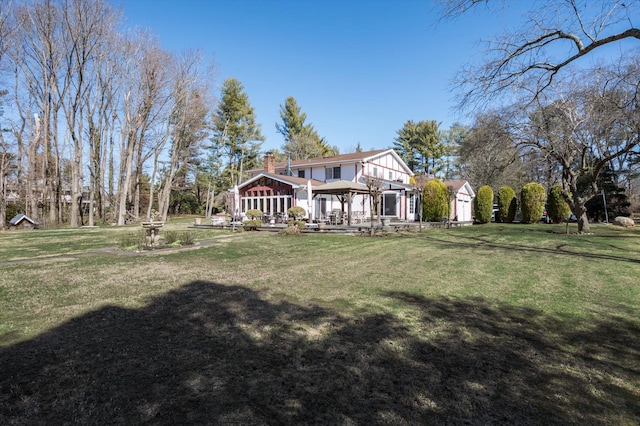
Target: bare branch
<point>536,54</point>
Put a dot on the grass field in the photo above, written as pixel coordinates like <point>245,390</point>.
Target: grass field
<point>493,324</point>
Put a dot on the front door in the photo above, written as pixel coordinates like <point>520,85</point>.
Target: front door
<point>390,204</point>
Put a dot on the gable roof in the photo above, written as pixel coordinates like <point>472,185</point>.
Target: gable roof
<point>294,181</point>
<point>19,218</point>
<point>458,185</point>
<point>354,157</point>
<point>342,158</point>
<point>342,187</point>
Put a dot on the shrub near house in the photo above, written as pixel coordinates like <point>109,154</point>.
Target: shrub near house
<point>296,214</point>
<point>557,208</point>
<point>532,200</point>
<point>255,219</point>
<point>507,205</point>
<point>483,204</point>
<point>435,201</point>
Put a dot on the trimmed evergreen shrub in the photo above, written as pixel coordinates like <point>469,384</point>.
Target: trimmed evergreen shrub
<point>507,205</point>
<point>252,225</point>
<point>435,201</point>
<point>532,200</point>
<point>254,214</point>
<point>483,204</point>
<point>557,208</point>
<point>296,212</point>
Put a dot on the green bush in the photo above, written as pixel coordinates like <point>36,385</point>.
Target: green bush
<point>435,201</point>
<point>254,214</point>
<point>507,205</point>
<point>557,208</point>
<point>532,200</point>
<point>483,204</point>
<point>251,225</point>
<point>296,223</point>
<point>296,212</point>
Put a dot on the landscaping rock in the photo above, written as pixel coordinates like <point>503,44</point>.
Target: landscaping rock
<point>624,221</point>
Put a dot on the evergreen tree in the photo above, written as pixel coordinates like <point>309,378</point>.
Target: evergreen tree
<point>301,140</point>
<point>420,146</point>
<point>614,195</point>
<point>236,135</point>
<point>452,139</point>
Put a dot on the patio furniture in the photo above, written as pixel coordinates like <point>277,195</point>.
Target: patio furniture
<point>357,217</point>
<point>337,217</point>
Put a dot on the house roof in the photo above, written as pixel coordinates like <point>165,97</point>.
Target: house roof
<point>341,187</point>
<point>294,181</point>
<point>458,185</point>
<point>19,218</point>
<point>354,157</point>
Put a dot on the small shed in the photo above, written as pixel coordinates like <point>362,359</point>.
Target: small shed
<point>461,200</point>
<point>21,221</point>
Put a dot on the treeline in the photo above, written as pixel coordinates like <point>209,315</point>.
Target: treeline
<point>92,113</point>
<point>583,136</point>
<point>100,124</point>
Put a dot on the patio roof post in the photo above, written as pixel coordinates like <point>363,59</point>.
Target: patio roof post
<point>349,209</point>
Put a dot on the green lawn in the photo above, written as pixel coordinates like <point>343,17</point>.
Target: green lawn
<point>493,324</point>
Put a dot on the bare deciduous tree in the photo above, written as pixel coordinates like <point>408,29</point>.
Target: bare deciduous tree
<point>86,24</point>
<point>190,107</point>
<point>5,154</point>
<point>374,185</point>
<point>143,112</point>
<point>419,185</point>
<point>557,34</point>
<point>38,56</point>
<point>586,129</point>
<point>87,98</point>
<point>487,155</point>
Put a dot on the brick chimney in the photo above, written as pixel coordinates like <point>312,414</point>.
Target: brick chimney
<point>269,163</point>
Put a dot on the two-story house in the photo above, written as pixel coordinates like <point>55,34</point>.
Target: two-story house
<point>278,186</point>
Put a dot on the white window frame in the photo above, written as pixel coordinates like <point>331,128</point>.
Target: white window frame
<point>330,173</point>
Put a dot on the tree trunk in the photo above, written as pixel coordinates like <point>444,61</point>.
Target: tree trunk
<point>583,224</point>
<point>125,180</point>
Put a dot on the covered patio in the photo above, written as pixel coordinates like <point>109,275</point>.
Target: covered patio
<point>344,191</point>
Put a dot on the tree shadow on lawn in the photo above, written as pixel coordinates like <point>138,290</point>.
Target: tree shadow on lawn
<point>215,354</point>
<point>485,242</point>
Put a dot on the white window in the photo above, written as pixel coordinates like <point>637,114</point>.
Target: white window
<point>390,175</point>
<point>412,203</point>
<point>332,173</point>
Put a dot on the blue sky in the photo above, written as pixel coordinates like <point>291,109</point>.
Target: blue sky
<point>358,68</point>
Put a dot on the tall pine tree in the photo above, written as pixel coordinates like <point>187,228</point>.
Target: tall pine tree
<point>301,140</point>
<point>236,135</point>
<point>420,146</point>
